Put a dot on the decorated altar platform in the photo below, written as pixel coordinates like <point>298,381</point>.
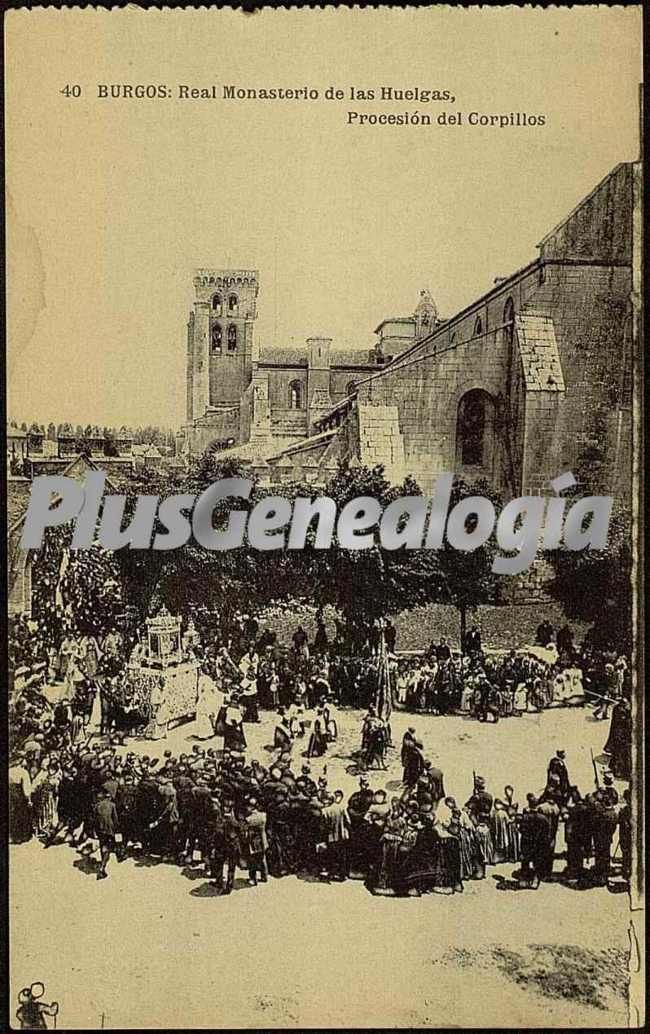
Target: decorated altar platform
<point>161,671</point>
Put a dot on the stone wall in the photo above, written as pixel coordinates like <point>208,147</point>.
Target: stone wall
<point>599,227</point>
<point>218,425</point>
<point>538,433</point>
<point>590,310</point>
<point>380,439</point>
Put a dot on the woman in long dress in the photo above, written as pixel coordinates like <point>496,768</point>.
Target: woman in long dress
<point>160,721</point>
<point>206,709</point>
<point>45,798</point>
<point>157,727</point>
<point>94,726</point>
<point>90,656</point>
<point>20,798</point>
<point>504,831</point>
<point>234,738</point>
<point>73,673</point>
<point>390,843</point>
<point>520,700</point>
<point>317,740</point>
<point>66,649</point>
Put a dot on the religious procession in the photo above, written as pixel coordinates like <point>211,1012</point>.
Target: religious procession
<point>81,771</point>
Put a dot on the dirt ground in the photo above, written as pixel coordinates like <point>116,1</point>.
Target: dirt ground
<point>153,946</point>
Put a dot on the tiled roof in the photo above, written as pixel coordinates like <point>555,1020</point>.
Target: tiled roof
<point>255,451</point>
<point>351,357</point>
<point>294,355</point>
<point>305,445</point>
<point>539,353</point>
<point>297,355</point>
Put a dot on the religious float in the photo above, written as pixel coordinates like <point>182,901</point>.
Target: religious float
<point>161,670</point>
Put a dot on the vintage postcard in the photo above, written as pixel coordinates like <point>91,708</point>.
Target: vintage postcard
<point>324,464</point>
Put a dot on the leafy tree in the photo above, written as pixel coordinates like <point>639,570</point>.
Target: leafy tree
<point>83,585</point>
<point>83,445</point>
<point>110,443</point>
<point>595,585</point>
<point>362,584</point>
<point>467,577</point>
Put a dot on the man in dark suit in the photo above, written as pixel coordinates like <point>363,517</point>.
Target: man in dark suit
<point>535,840</point>
<point>473,641</point>
<point>558,775</point>
<point>105,829</point>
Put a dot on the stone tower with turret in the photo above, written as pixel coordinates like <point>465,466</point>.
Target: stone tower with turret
<point>220,339</point>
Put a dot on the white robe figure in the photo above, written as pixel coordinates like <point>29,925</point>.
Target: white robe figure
<point>207,707</point>
<point>160,714</point>
<point>577,688</point>
<point>94,726</point>
<point>520,703</point>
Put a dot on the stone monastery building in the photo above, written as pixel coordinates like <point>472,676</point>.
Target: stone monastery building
<point>532,379</point>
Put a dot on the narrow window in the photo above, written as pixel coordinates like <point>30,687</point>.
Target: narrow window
<point>217,335</point>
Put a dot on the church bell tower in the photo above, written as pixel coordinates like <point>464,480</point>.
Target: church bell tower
<point>220,339</point>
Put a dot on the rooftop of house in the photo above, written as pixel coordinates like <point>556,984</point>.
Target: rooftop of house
<point>298,355</point>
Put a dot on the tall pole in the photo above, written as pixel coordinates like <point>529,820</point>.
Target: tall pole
<point>384,692</point>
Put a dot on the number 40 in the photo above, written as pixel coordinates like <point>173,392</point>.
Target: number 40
<point>71,91</point>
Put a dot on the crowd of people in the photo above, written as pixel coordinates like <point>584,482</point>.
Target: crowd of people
<point>250,670</point>
<point>216,809</point>
<point>72,776</point>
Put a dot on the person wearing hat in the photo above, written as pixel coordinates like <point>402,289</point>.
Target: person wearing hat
<point>304,782</point>
<point>318,740</point>
<point>431,782</point>
<point>31,1010</point>
<point>607,694</point>
<point>412,758</point>
<point>578,833</point>
<point>234,737</point>
<point>535,839</point>
<point>557,768</point>
<point>609,793</point>
<point>167,821</point>
<point>604,822</point>
<point>283,735</point>
<point>358,805</point>
<point>337,826</point>
<point>479,807</point>
<point>106,823</point>
<point>619,741</point>
<point>625,835</point>
<point>233,848</point>
<point>256,842</point>
<point>377,737</point>
<point>20,800</point>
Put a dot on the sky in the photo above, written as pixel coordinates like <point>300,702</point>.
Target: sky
<point>111,204</point>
